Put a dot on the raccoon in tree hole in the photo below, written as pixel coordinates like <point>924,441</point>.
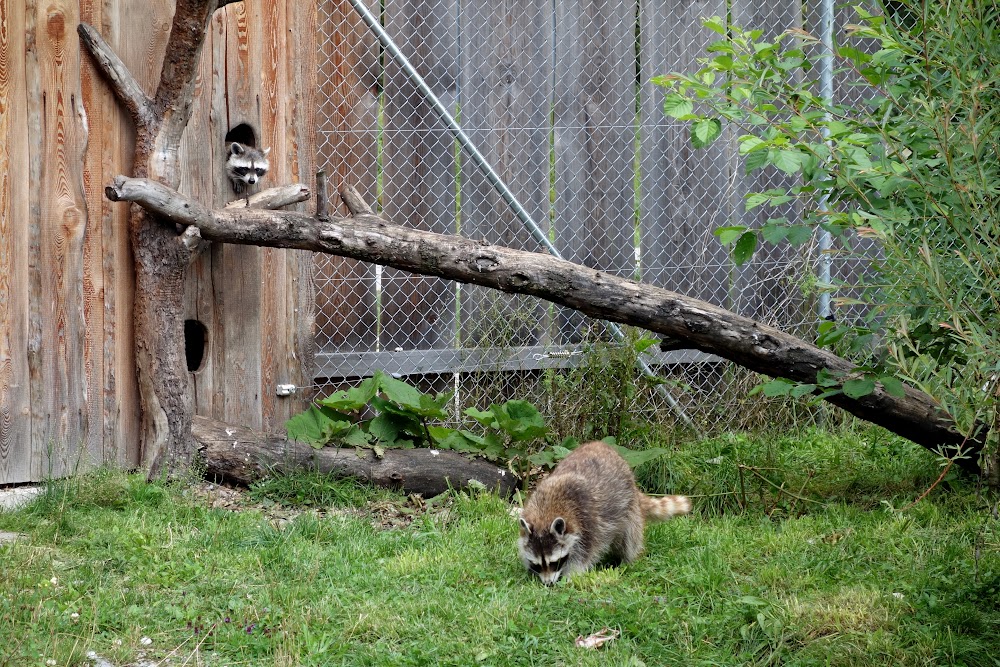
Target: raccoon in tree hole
<point>246,165</point>
<point>588,507</point>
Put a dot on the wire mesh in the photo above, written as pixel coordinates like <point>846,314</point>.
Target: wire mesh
<point>557,95</point>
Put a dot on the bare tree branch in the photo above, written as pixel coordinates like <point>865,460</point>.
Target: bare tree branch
<point>123,84</point>
<point>701,325</point>
<point>272,198</point>
<point>354,201</point>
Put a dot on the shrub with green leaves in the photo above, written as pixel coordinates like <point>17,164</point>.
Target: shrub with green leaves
<point>915,168</point>
<point>513,431</point>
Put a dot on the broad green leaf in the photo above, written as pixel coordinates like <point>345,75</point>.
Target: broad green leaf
<point>355,398</point>
<point>777,387</point>
<point>520,420</point>
<point>729,235</point>
<point>317,426</point>
<point>749,142</point>
<point>434,407</point>
<point>799,234</point>
<point>484,417</point>
<point>389,427</point>
<point>439,433</point>
<point>756,199</point>
<point>859,388</point>
<point>460,441</point>
<point>705,131</point>
<point>636,458</point>
<point>893,386</point>
<point>831,333</point>
<point>715,24</point>
<point>802,390</point>
<point>744,248</point>
<point>356,438</point>
<point>493,448</point>
<point>755,160</point>
<point>677,106</point>
<point>774,234</point>
<point>401,393</point>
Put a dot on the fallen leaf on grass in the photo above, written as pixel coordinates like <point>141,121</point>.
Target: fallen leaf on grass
<point>598,639</point>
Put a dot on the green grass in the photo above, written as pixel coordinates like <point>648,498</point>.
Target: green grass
<point>352,576</point>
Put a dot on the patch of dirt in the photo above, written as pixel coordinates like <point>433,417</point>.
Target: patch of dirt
<point>384,514</point>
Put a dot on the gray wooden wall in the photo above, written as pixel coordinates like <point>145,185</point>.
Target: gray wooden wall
<point>556,94</point>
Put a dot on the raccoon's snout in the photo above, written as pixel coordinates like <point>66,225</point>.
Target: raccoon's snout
<point>550,578</point>
<point>251,179</point>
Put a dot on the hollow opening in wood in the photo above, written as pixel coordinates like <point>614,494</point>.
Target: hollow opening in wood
<point>195,342</point>
<point>242,134</point>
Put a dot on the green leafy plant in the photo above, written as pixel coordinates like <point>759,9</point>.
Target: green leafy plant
<point>913,170</point>
<point>404,416</point>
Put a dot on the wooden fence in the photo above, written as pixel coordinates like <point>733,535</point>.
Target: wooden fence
<point>68,394</point>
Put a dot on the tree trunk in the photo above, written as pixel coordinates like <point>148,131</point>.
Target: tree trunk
<point>698,324</point>
<point>241,455</point>
<point>161,254</point>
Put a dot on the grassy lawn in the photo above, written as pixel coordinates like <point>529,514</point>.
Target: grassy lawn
<point>302,571</point>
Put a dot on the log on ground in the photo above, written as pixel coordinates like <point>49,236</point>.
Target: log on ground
<point>241,455</point>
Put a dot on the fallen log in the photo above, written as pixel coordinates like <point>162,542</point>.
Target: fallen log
<point>242,455</point>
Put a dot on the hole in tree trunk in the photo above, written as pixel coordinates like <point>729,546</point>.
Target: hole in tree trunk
<point>195,342</point>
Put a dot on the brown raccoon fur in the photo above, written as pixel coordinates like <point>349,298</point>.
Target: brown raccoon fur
<point>589,507</point>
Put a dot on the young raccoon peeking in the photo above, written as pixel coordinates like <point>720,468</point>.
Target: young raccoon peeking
<point>245,165</point>
<point>589,507</point>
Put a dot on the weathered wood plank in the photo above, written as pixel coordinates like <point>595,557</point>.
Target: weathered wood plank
<point>595,138</point>
<point>275,318</point>
<point>62,225</point>
<point>418,312</point>
<point>214,306</point>
<point>299,348</point>
<point>93,97</point>
<point>506,96</point>
<point>685,192</point>
<point>16,446</point>
<point>348,120</point>
<point>239,274</point>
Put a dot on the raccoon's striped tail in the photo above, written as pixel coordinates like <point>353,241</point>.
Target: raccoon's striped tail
<point>663,507</point>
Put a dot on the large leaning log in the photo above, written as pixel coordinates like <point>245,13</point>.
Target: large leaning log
<point>701,325</point>
<point>242,455</point>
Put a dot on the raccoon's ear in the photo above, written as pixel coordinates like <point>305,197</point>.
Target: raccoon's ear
<point>267,150</point>
<point>236,148</point>
<point>525,526</point>
<point>559,526</point>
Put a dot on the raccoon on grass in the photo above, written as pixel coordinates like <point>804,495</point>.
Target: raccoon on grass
<point>587,508</point>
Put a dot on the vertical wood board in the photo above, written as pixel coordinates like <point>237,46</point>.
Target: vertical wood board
<point>239,273</point>
<point>594,134</point>
<point>505,101</point>
<point>418,312</point>
<point>347,118</point>
<point>684,191</point>
<point>16,446</point>
<point>62,227</point>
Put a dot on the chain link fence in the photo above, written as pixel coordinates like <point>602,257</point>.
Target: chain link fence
<point>557,96</point>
